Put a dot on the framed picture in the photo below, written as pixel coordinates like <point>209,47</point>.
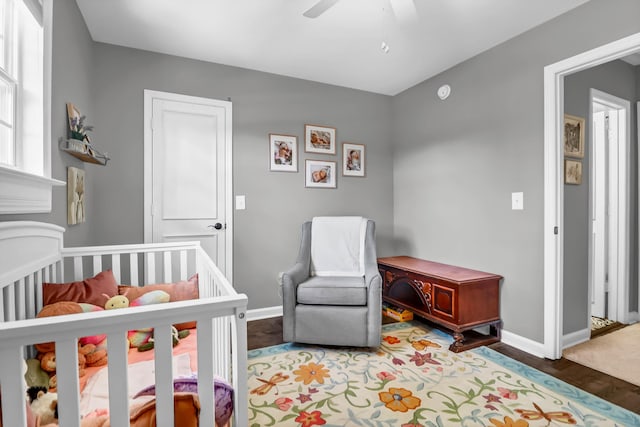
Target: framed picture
<point>573,172</point>
<point>283,153</point>
<point>320,174</point>
<point>352,159</point>
<point>319,139</point>
<point>573,136</point>
<point>75,196</point>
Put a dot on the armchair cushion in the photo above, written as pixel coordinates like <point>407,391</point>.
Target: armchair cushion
<point>321,290</point>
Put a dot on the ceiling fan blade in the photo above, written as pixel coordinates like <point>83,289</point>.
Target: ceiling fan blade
<point>404,10</point>
<point>319,8</point>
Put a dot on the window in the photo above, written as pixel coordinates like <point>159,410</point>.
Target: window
<point>24,94</point>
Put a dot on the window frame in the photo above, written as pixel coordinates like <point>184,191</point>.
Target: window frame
<point>23,192</point>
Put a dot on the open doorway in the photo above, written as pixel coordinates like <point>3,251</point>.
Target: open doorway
<point>554,241</point>
<point>609,144</point>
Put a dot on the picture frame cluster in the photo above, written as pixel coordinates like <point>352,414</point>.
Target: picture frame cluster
<point>573,149</point>
<point>318,173</point>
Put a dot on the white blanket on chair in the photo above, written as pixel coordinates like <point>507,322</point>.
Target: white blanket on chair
<point>337,246</point>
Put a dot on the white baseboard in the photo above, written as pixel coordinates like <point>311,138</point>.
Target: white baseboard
<point>633,317</point>
<point>264,313</point>
<point>575,338</point>
<point>521,343</point>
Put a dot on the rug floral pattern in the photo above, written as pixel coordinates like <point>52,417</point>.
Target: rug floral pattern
<point>412,380</point>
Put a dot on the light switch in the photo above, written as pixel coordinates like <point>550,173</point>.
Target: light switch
<point>240,203</point>
<point>517,201</point>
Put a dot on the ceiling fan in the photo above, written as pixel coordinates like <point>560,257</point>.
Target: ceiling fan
<point>404,10</point>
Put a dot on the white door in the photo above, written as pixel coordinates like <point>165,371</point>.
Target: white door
<point>187,173</point>
<point>609,240</point>
<point>599,261</point>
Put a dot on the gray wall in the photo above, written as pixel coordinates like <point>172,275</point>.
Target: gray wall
<point>444,196</point>
<point>267,233</point>
<point>456,162</point>
<point>106,82</point>
<point>72,69</point>
<point>616,78</point>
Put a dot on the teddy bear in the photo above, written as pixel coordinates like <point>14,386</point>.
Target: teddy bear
<point>93,355</point>
<point>97,357</point>
<point>44,405</point>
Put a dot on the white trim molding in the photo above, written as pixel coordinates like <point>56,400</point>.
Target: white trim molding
<point>575,338</point>
<point>553,178</point>
<point>23,192</point>
<point>264,313</point>
<point>521,343</point>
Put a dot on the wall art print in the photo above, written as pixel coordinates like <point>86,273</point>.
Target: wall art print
<point>319,139</point>
<point>75,196</point>
<point>283,153</point>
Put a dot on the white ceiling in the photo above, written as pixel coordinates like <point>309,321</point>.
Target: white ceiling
<point>340,47</point>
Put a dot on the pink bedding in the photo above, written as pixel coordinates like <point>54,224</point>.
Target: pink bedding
<point>186,345</point>
<point>94,387</point>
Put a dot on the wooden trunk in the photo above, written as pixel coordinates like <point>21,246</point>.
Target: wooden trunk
<point>456,298</point>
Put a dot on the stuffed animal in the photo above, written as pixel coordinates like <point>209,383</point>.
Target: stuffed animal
<point>93,355</point>
<point>35,376</point>
<point>48,364</point>
<point>176,336</point>
<point>138,337</point>
<point>118,301</point>
<point>43,404</point>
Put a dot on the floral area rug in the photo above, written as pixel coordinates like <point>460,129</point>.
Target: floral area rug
<point>413,380</point>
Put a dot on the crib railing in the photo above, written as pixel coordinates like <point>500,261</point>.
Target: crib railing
<point>137,264</point>
<point>65,331</point>
<point>219,313</point>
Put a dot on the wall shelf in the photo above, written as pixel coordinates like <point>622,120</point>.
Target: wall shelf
<point>84,151</point>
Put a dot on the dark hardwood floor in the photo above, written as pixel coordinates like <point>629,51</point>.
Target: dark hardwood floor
<point>267,332</point>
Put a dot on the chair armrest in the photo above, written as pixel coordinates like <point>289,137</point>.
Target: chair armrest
<point>373,281</point>
<point>295,275</point>
<point>372,274</point>
<point>289,281</point>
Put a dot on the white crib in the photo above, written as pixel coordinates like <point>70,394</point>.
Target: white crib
<point>32,253</point>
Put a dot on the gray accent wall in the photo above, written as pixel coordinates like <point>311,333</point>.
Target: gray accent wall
<point>439,173</point>
<point>456,162</point>
<point>267,233</point>
<point>616,78</point>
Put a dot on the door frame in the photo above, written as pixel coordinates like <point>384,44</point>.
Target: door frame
<point>149,96</point>
<point>553,179</point>
<point>618,178</point>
